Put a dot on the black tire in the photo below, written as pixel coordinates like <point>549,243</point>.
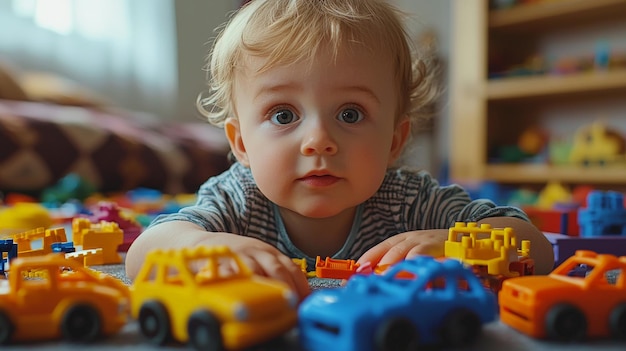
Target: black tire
<point>6,329</point>
<point>204,332</point>
<point>154,323</point>
<point>617,322</point>
<point>397,334</point>
<point>565,322</point>
<point>461,327</point>
<point>81,323</point>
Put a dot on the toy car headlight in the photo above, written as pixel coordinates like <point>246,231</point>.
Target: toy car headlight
<point>122,307</point>
<point>241,312</point>
<point>292,299</point>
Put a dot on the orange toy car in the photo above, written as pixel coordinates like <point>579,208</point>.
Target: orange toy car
<point>49,296</point>
<point>583,297</point>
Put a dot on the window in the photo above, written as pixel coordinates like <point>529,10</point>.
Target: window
<point>125,50</point>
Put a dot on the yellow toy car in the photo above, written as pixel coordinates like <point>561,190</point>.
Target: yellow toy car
<point>48,297</point>
<point>208,297</point>
<point>596,144</point>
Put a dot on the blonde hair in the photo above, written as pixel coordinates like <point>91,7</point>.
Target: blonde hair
<point>287,31</point>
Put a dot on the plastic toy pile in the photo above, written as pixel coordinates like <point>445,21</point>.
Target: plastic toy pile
<point>420,301</point>
<point>73,198</point>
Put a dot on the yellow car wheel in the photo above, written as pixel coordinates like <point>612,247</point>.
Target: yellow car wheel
<point>154,322</point>
<point>81,323</point>
<point>204,332</point>
<point>6,329</point>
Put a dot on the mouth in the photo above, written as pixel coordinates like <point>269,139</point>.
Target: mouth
<point>319,180</point>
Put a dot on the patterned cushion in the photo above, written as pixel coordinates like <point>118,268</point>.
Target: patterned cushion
<point>114,151</point>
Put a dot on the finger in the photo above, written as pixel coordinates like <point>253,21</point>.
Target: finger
<point>272,267</point>
<point>376,253</point>
<point>426,249</point>
<point>254,266</point>
<point>298,278</point>
<point>395,254</point>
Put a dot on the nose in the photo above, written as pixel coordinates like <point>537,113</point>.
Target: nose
<point>318,140</point>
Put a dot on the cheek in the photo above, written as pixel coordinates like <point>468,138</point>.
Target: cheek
<point>375,147</point>
<point>270,167</point>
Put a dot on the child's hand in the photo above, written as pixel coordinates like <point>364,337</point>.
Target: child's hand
<point>406,245</point>
<point>266,260</point>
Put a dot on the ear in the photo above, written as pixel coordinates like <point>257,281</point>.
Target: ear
<point>233,134</point>
<point>400,136</point>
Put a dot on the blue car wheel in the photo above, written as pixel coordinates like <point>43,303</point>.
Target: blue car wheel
<point>397,334</point>
<point>461,327</point>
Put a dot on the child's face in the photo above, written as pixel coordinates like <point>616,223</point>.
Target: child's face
<point>318,140</point>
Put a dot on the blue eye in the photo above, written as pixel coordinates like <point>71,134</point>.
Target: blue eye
<point>283,117</point>
<point>350,115</point>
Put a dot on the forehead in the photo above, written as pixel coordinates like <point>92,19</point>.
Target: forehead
<point>356,63</point>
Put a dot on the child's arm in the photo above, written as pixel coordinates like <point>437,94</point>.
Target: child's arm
<point>431,242</point>
<point>262,258</point>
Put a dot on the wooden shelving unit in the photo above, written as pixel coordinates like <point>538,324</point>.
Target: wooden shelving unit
<point>537,16</point>
<point>476,101</point>
<point>545,86</point>
<point>541,173</point>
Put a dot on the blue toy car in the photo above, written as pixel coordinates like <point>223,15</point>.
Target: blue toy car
<point>415,302</point>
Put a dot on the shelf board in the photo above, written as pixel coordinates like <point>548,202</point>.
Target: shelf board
<point>552,85</point>
<point>553,13</point>
<point>541,173</point>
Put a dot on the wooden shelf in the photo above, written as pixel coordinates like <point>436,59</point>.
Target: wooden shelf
<point>547,86</point>
<point>541,173</point>
<point>479,107</point>
<point>554,12</point>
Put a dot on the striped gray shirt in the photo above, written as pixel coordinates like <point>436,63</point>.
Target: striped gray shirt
<point>407,200</point>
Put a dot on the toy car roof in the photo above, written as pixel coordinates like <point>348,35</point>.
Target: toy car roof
<point>427,265</point>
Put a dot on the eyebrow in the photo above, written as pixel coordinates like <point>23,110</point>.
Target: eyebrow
<point>296,87</point>
<point>364,90</point>
<point>271,88</point>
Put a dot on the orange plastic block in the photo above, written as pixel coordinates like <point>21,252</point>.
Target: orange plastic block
<point>335,268</point>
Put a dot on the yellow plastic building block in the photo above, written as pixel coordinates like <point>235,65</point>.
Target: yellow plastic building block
<point>208,297</point>
<point>105,235</point>
<point>301,262</point>
<point>46,236</point>
<point>494,249</point>
<point>90,257</point>
<point>64,299</point>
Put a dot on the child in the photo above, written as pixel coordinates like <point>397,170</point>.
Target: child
<point>317,99</point>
